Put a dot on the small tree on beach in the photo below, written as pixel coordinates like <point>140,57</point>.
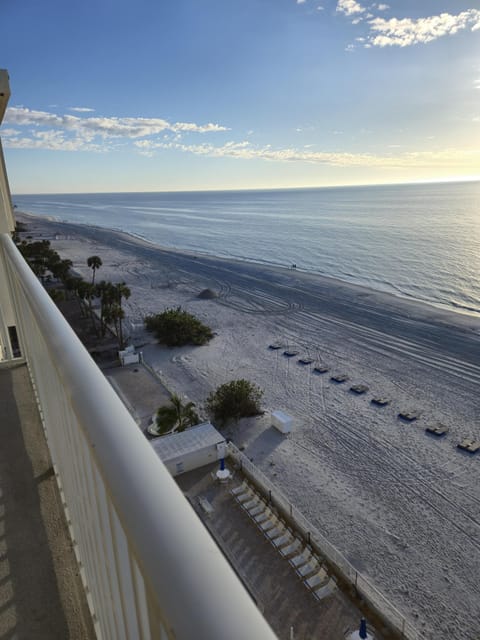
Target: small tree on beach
<point>234,400</point>
<point>176,417</point>
<point>94,262</point>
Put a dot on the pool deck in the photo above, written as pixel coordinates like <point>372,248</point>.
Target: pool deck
<point>287,604</point>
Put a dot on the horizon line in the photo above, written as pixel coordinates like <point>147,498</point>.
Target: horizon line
<point>232,190</point>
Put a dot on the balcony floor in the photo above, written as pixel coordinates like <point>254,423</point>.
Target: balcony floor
<point>41,595</point>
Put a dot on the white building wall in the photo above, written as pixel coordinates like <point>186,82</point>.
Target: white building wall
<point>7,225</point>
<point>191,460</point>
<point>7,315</point>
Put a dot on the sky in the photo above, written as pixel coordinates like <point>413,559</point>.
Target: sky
<point>158,95</point>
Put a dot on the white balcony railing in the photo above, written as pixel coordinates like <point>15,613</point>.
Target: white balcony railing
<point>149,567</point>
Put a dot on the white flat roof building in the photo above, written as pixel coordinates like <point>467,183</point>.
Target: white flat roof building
<point>190,449</point>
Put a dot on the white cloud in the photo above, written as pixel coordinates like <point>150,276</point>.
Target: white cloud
<point>301,1</point>
<point>349,7</point>
<point>244,150</point>
<point>81,109</point>
<point>52,141</point>
<point>10,132</point>
<point>79,133</point>
<point>405,32</point>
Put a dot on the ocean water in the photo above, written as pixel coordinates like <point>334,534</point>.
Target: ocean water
<point>417,241</point>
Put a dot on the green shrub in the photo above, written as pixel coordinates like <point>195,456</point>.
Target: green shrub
<point>234,400</point>
<point>177,327</point>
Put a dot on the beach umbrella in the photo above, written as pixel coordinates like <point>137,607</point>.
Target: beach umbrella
<point>363,629</point>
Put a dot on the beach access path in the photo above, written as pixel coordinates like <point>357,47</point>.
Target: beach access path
<point>401,505</point>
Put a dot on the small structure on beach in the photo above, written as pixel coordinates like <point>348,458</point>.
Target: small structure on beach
<point>129,356</point>
<point>190,449</point>
<point>282,421</point>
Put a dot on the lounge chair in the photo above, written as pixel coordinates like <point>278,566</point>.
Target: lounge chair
<point>341,377</point>
<point>292,549</point>
<point>309,569</point>
<point>262,517</point>
<point>269,523</point>
<point>321,368</point>
<point>274,346</point>
<point>302,558</point>
<point>359,388</point>
<point>469,445</point>
<point>250,504</point>
<point>245,497</point>
<point>276,531</point>
<point>380,401</point>
<point>325,590</point>
<point>409,416</point>
<point>305,360</point>
<point>256,511</point>
<point>240,489</point>
<point>438,430</point>
<point>317,580</point>
<point>283,540</point>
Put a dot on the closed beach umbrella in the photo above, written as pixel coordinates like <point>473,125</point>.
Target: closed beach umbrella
<point>363,629</point>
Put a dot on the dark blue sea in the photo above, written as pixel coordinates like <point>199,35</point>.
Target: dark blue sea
<point>420,241</point>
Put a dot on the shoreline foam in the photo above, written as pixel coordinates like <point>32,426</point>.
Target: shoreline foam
<point>436,308</point>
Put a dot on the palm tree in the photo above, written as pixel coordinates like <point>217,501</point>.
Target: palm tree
<point>83,289</point>
<point>176,417</point>
<point>122,291</point>
<point>61,269</point>
<point>94,262</point>
<point>105,290</point>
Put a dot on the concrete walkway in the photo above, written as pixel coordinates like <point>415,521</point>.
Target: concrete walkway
<point>140,391</point>
<point>41,595</point>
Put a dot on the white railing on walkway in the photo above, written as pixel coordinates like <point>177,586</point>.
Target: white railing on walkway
<point>374,599</point>
<point>149,567</point>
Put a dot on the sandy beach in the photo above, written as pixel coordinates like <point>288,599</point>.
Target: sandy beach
<point>401,505</point>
